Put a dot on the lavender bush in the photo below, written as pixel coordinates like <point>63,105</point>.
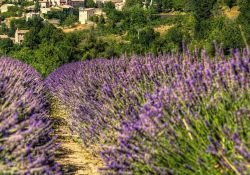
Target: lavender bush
<point>26,145</point>
<point>196,122</point>
<point>78,87</point>
<point>192,124</point>
<point>97,93</point>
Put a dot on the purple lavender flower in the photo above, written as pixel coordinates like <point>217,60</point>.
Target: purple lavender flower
<point>25,141</point>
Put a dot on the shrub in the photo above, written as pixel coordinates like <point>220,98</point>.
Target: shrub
<point>196,122</point>
<point>26,145</point>
<point>78,88</point>
<point>161,115</point>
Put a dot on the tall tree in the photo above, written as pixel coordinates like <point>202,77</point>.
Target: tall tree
<point>202,12</point>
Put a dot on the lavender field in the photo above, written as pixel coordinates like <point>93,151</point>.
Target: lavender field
<point>174,113</point>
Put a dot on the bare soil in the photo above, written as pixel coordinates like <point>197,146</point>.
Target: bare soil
<point>72,156</point>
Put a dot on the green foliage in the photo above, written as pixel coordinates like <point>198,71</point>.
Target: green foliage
<point>37,6</point>
<point>5,46</point>
<point>70,20</point>
<point>182,5</point>
<point>244,17</point>
<point>13,11</point>
<point>3,29</point>
<point>56,14</point>
<point>143,36</point>
<point>92,48</point>
<point>202,9</point>
<point>89,4</point>
<point>17,23</point>
<point>225,33</point>
<point>108,6</point>
<point>130,3</point>
<point>129,31</point>
<point>164,5</point>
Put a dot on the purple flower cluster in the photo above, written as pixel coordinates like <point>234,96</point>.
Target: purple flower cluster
<point>26,144</point>
<point>170,114</point>
<point>188,125</point>
<point>78,87</point>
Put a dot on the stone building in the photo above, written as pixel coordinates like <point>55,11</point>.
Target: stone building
<point>5,7</point>
<point>44,4</point>
<point>31,15</point>
<point>76,3</point>
<point>19,36</point>
<point>85,14</point>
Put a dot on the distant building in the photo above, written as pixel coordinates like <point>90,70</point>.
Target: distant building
<point>5,7</point>
<point>31,8</point>
<point>85,14</point>
<point>31,15</point>
<point>19,36</point>
<point>119,4</point>
<point>76,3</point>
<point>45,10</point>
<point>44,4</point>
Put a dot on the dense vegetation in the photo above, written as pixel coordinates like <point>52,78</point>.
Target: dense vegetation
<point>168,114</point>
<point>160,27</point>
<point>26,146</point>
<point>172,97</point>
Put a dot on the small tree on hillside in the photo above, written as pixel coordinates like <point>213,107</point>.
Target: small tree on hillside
<point>202,12</point>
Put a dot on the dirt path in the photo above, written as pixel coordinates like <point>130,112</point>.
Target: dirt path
<point>74,159</point>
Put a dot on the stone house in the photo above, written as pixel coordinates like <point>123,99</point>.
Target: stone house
<point>85,14</point>
<point>5,7</point>
<point>76,3</point>
<point>44,4</point>
<point>31,15</point>
<point>19,36</point>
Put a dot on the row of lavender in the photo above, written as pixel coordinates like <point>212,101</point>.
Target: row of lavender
<point>171,114</point>
<point>26,144</point>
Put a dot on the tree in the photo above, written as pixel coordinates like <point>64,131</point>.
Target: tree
<point>244,17</point>
<point>48,57</point>
<point>130,3</point>
<point>244,20</point>
<point>37,6</point>
<point>6,45</point>
<point>202,12</point>
<point>70,20</point>
<point>89,4</point>
<point>202,9</point>
<point>108,6</point>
